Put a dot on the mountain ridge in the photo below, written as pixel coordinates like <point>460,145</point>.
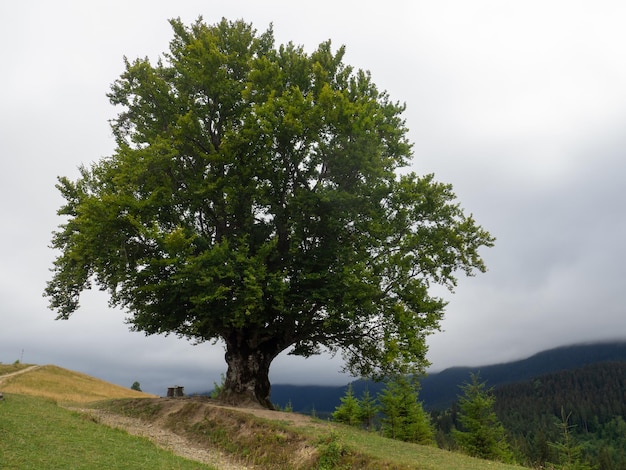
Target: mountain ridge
<point>439,390</point>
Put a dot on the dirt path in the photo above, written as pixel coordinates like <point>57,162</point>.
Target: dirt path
<point>295,419</point>
<point>164,439</point>
<point>158,433</point>
<point>12,374</point>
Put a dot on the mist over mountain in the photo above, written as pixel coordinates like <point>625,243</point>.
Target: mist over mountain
<point>440,390</point>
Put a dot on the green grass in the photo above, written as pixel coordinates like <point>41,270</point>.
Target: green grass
<point>35,433</point>
<point>402,455</point>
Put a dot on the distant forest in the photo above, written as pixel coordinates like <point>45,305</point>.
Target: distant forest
<point>440,390</point>
<point>594,399</point>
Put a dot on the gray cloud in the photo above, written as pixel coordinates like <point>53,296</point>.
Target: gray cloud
<point>519,105</point>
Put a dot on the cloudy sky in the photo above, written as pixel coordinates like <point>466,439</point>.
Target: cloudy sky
<point>520,105</point>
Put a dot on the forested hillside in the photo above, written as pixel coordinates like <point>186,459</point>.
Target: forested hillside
<point>586,384</point>
<point>592,398</point>
<point>440,390</point>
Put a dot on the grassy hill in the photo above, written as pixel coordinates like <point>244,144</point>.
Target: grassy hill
<point>36,432</point>
<point>60,384</point>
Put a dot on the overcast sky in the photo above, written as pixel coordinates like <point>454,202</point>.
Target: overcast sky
<point>520,105</point>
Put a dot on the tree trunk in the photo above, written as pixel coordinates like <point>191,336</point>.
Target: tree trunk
<point>247,378</point>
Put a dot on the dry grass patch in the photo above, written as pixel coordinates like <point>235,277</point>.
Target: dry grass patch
<point>11,368</point>
<point>66,386</point>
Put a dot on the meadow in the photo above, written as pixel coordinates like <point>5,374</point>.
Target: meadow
<point>36,433</point>
<point>40,427</point>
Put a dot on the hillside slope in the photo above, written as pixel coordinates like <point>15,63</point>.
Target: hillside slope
<point>62,385</point>
<point>283,440</point>
<point>247,438</point>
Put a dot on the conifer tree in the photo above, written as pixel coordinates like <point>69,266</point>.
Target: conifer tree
<point>369,408</point>
<point>349,412</point>
<point>481,434</point>
<point>569,452</point>
<point>404,417</point>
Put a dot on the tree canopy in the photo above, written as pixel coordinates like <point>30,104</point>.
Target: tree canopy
<point>257,196</point>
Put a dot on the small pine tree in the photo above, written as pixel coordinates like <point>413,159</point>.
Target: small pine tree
<point>404,417</point>
<point>349,412</point>
<point>136,386</point>
<point>569,452</point>
<point>481,434</point>
<point>369,408</point>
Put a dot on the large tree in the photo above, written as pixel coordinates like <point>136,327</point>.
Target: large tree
<point>255,197</point>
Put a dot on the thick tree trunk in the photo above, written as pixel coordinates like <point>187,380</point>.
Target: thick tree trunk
<point>247,378</point>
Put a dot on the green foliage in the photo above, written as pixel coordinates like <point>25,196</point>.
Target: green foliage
<point>331,452</point>
<point>369,409</point>
<point>254,197</point>
<point>528,411</point>
<point>218,387</point>
<point>404,417</point>
<point>594,397</point>
<point>358,412</point>
<point>568,451</point>
<point>481,434</point>
<point>349,412</point>
<point>136,386</point>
